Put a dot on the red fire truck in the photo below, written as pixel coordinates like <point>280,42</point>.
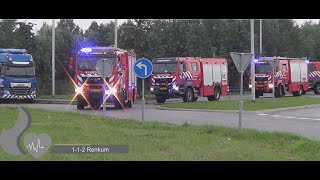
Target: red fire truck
<point>120,85</point>
<point>189,78</point>
<point>291,76</point>
<point>314,76</point>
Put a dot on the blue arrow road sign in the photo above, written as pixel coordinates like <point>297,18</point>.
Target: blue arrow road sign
<point>143,68</point>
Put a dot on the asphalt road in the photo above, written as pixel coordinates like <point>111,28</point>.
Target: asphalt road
<point>304,122</point>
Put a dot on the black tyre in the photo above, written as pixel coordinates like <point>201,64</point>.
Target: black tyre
<point>299,93</point>
<point>278,91</point>
<point>283,91</point>
<point>80,106</point>
<point>316,88</point>
<point>188,96</point>
<point>129,104</point>
<point>257,95</point>
<point>117,105</point>
<point>195,99</point>
<point>210,98</point>
<point>161,100</point>
<point>217,93</point>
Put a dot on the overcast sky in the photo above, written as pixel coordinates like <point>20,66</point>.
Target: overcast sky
<point>85,23</point>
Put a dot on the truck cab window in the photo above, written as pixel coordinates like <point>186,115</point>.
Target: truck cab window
<point>194,67</point>
<point>284,67</point>
<point>182,67</point>
<point>312,67</point>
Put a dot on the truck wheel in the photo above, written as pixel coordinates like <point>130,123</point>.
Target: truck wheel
<point>188,96</point>
<point>210,98</point>
<point>316,88</point>
<point>195,99</point>
<point>117,104</point>
<point>161,100</point>
<point>217,93</point>
<point>257,95</point>
<point>298,93</point>
<point>283,92</point>
<point>80,106</point>
<point>129,104</point>
<point>278,91</point>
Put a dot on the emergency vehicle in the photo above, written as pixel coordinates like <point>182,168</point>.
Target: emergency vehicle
<point>189,78</point>
<point>314,76</point>
<point>290,75</point>
<point>119,87</point>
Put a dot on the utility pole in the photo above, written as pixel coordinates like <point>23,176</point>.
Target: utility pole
<point>253,80</point>
<point>116,33</point>
<point>260,38</point>
<point>53,57</point>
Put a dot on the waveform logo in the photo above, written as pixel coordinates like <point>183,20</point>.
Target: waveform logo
<point>35,148</point>
<point>37,145</point>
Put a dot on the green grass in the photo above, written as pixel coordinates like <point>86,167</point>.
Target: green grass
<point>160,141</point>
<point>260,104</point>
<point>70,96</point>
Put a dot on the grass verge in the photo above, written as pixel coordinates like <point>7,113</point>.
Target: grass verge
<point>159,141</point>
<point>259,104</point>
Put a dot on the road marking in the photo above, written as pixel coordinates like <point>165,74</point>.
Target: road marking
<point>263,114</point>
<point>288,117</point>
<point>275,115</point>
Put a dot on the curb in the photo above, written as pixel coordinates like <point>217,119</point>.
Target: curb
<point>288,108</point>
<point>237,111</point>
<point>200,110</point>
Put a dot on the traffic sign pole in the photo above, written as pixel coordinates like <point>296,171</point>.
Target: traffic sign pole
<point>241,61</point>
<point>143,69</point>
<point>104,94</point>
<point>241,91</point>
<point>273,72</point>
<point>143,101</point>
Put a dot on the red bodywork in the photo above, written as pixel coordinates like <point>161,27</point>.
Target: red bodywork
<point>121,79</point>
<point>191,72</point>
<point>290,74</point>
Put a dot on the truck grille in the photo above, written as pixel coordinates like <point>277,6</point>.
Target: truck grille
<point>261,79</point>
<point>20,91</point>
<point>163,80</point>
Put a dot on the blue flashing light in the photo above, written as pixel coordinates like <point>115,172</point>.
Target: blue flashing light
<point>86,50</point>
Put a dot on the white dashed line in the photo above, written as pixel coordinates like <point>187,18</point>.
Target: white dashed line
<point>263,114</point>
<point>288,117</point>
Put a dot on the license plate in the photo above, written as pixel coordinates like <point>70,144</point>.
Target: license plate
<point>164,88</point>
<point>20,97</point>
<point>95,90</point>
<point>260,85</point>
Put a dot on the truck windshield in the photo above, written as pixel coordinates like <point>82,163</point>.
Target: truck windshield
<point>164,67</point>
<point>263,68</point>
<point>19,71</point>
<point>89,64</point>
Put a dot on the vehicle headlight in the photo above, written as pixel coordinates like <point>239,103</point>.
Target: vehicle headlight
<point>33,93</point>
<point>151,89</point>
<point>250,85</point>
<point>6,92</point>
<point>175,87</point>
<point>78,90</point>
<point>112,90</point>
<point>270,85</point>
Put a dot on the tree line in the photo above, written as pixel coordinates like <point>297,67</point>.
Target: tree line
<point>158,38</point>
